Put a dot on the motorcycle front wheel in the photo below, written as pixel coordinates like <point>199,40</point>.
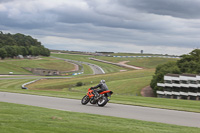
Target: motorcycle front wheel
<point>85,100</point>
<point>102,101</point>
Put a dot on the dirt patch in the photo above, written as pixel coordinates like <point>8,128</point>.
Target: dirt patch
<point>147,92</point>
<point>38,59</point>
<point>123,62</point>
<point>76,67</point>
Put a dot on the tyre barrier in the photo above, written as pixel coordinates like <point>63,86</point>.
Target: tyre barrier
<point>77,73</point>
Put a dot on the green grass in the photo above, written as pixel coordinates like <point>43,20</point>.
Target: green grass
<point>6,68</point>
<point>15,65</point>
<point>22,119</point>
<point>108,68</point>
<point>121,87</point>
<point>116,78</point>
<point>140,62</point>
<point>13,84</point>
<point>87,69</point>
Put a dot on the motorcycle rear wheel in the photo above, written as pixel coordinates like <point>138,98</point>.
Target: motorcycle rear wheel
<point>85,100</point>
<point>102,101</point>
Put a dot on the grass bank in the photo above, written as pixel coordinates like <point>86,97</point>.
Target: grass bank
<point>16,65</point>
<point>22,119</point>
<point>122,82</point>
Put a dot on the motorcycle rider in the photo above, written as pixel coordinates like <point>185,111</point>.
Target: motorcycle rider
<point>103,87</point>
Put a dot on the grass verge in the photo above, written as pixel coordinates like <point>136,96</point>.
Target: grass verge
<point>22,119</point>
<point>87,69</point>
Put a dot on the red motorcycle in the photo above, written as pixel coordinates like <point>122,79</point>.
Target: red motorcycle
<point>101,99</point>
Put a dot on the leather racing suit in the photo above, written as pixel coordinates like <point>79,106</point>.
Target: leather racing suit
<point>102,86</point>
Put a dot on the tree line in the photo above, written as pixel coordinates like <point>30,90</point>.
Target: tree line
<point>12,45</point>
<point>189,63</point>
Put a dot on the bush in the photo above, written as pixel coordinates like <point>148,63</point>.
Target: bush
<point>79,84</point>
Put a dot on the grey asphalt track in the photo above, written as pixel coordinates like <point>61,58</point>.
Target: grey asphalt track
<point>118,110</point>
<point>96,69</point>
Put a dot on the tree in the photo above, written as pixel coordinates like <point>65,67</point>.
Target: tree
<point>44,51</point>
<point>20,44</point>
<point>187,64</point>
<point>3,53</point>
<point>161,70</point>
<point>190,63</point>
<point>17,49</point>
<point>24,50</point>
<point>11,51</point>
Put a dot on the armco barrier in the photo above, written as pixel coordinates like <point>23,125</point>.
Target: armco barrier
<point>23,86</point>
<point>147,56</point>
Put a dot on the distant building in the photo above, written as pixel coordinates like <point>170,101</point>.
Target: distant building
<point>141,51</point>
<point>185,86</point>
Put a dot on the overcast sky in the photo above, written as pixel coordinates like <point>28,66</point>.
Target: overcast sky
<point>155,26</point>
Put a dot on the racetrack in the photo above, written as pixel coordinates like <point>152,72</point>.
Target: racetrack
<point>117,110</point>
<point>96,69</point>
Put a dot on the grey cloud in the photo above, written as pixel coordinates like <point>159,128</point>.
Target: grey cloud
<point>118,21</point>
<point>71,15</point>
<point>27,20</point>
<point>98,19</point>
<point>92,33</point>
<point>176,8</point>
<point>5,1</point>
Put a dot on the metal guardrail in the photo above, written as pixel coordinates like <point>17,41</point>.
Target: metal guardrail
<point>23,86</point>
<point>147,56</point>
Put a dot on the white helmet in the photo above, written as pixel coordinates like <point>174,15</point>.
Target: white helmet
<point>102,81</point>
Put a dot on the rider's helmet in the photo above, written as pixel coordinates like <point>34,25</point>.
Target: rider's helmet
<point>102,81</point>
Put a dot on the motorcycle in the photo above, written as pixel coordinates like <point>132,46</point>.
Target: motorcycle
<point>101,99</point>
